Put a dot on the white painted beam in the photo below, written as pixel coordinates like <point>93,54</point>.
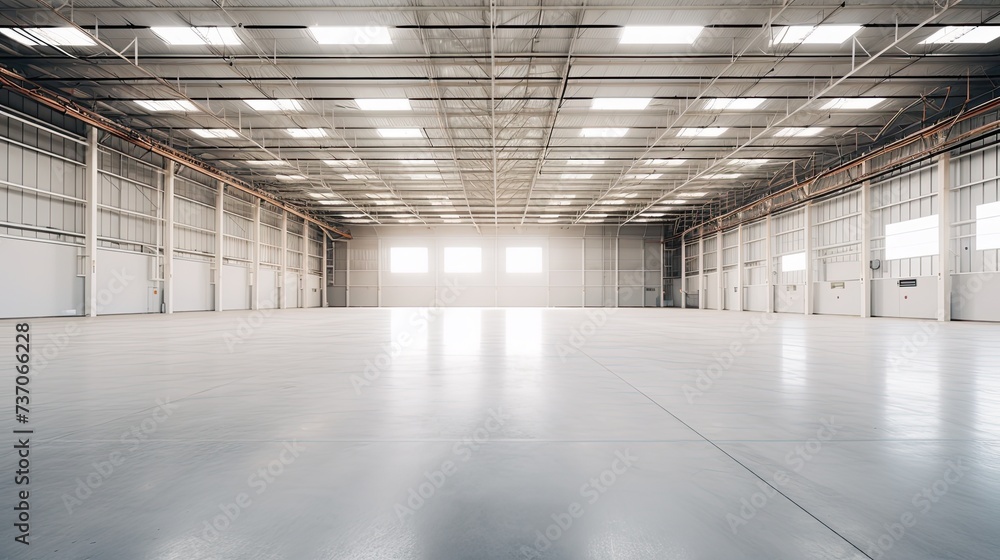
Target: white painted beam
<point>944,231</point>
<point>168,237</point>
<point>90,225</point>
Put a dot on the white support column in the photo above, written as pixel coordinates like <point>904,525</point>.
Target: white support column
<point>168,238</point>
<point>220,231</point>
<point>768,242</point>
<point>255,266</point>
<point>323,275</point>
<point>282,280</point>
<point>739,268</point>
<point>90,226</point>
<point>701,273</point>
<point>720,284</point>
<point>807,295</point>
<point>865,220</point>
<point>944,232</point>
<point>683,290</point>
<point>617,266</point>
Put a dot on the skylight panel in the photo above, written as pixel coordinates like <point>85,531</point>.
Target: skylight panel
<point>267,162</point>
<point>585,162</point>
<point>383,104</point>
<point>964,34</point>
<point>341,162</point>
<point>306,132</point>
<point>620,103</point>
<point>215,132</point>
<point>853,103</point>
<point>708,132</point>
<point>216,36</point>
<point>48,36</point>
<point>800,131</point>
<point>417,162</point>
<point>665,162</point>
<point>603,132</point>
<point>660,34</point>
<point>326,35</point>
<point>167,105</point>
<point>274,105</point>
<point>400,133</point>
<point>734,104</point>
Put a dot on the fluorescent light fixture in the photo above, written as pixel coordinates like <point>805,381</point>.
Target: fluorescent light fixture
<point>559,203</point>
<point>417,162</point>
<point>544,221</point>
<point>603,132</point>
<point>549,216</point>
<point>597,215</point>
<point>671,202</point>
<point>306,132</point>
<point>167,105</point>
<point>665,162</point>
<point>452,221</point>
<point>355,215</point>
<point>387,202</point>
<point>383,104</point>
<point>281,177</point>
<point>358,177</point>
<point>734,104</point>
<point>590,221</point>
<point>48,36</point>
<point>332,202</point>
<point>619,103</point>
<point>707,132</point>
<point>616,201</point>
<point>800,131</point>
<point>964,34</point>
<point>215,132</point>
<point>853,103</point>
<point>267,162</point>
<point>585,162</point>
<point>217,36</point>
<point>409,221</point>
<point>720,176</point>
<point>326,35</point>
<point>576,176</point>
<point>629,195</point>
<point>400,133</point>
<point>341,162</point>
<point>653,215</point>
<point>691,195</point>
<point>746,162</point>
<point>645,176</point>
<point>358,221</point>
<point>815,35</point>
<point>274,105</point>
<point>660,34</point>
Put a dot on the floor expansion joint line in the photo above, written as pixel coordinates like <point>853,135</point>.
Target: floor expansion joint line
<point>727,454</point>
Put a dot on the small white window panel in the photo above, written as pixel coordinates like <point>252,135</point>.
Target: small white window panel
<point>793,262</point>
<point>708,132</point>
<point>912,238</point>
<point>408,260</point>
<point>400,133</point>
<point>988,226</point>
<point>660,34</point>
<point>619,103</point>
<point>351,35</point>
<point>463,260</point>
<point>524,260</point>
<point>734,104</point>
<point>216,36</point>
<point>306,132</point>
<point>383,104</point>
<point>214,132</point>
<point>853,103</point>
<point>603,132</point>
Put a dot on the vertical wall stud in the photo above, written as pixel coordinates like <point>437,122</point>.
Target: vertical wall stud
<point>220,231</point>
<point>90,225</point>
<point>168,237</point>
<point>944,242</point>
<point>865,219</point>
<point>282,276</point>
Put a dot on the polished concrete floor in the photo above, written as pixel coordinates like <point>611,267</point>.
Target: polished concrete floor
<point>520,433</point>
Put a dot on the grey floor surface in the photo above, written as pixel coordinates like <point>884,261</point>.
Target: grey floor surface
<point>518,433</point>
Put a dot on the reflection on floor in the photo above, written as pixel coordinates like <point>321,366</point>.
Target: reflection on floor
<point>520,433</point>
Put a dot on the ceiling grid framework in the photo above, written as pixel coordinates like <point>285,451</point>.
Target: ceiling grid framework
<point>513,112</point>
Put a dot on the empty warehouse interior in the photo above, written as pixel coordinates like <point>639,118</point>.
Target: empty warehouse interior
<point>453,279</point>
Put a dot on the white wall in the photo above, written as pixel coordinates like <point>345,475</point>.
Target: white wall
<point>579,267</point>
<point>193,285</point>
<point>235,287</point>
<point>124,283</point>
<point>39,279</point>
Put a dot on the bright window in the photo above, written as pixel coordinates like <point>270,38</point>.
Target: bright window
<point>912,238</point>
<point>524,260</point>
<point>793,262</point>
<point>408,260</point>
<point>463,260</point>
<point>988,226</point>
